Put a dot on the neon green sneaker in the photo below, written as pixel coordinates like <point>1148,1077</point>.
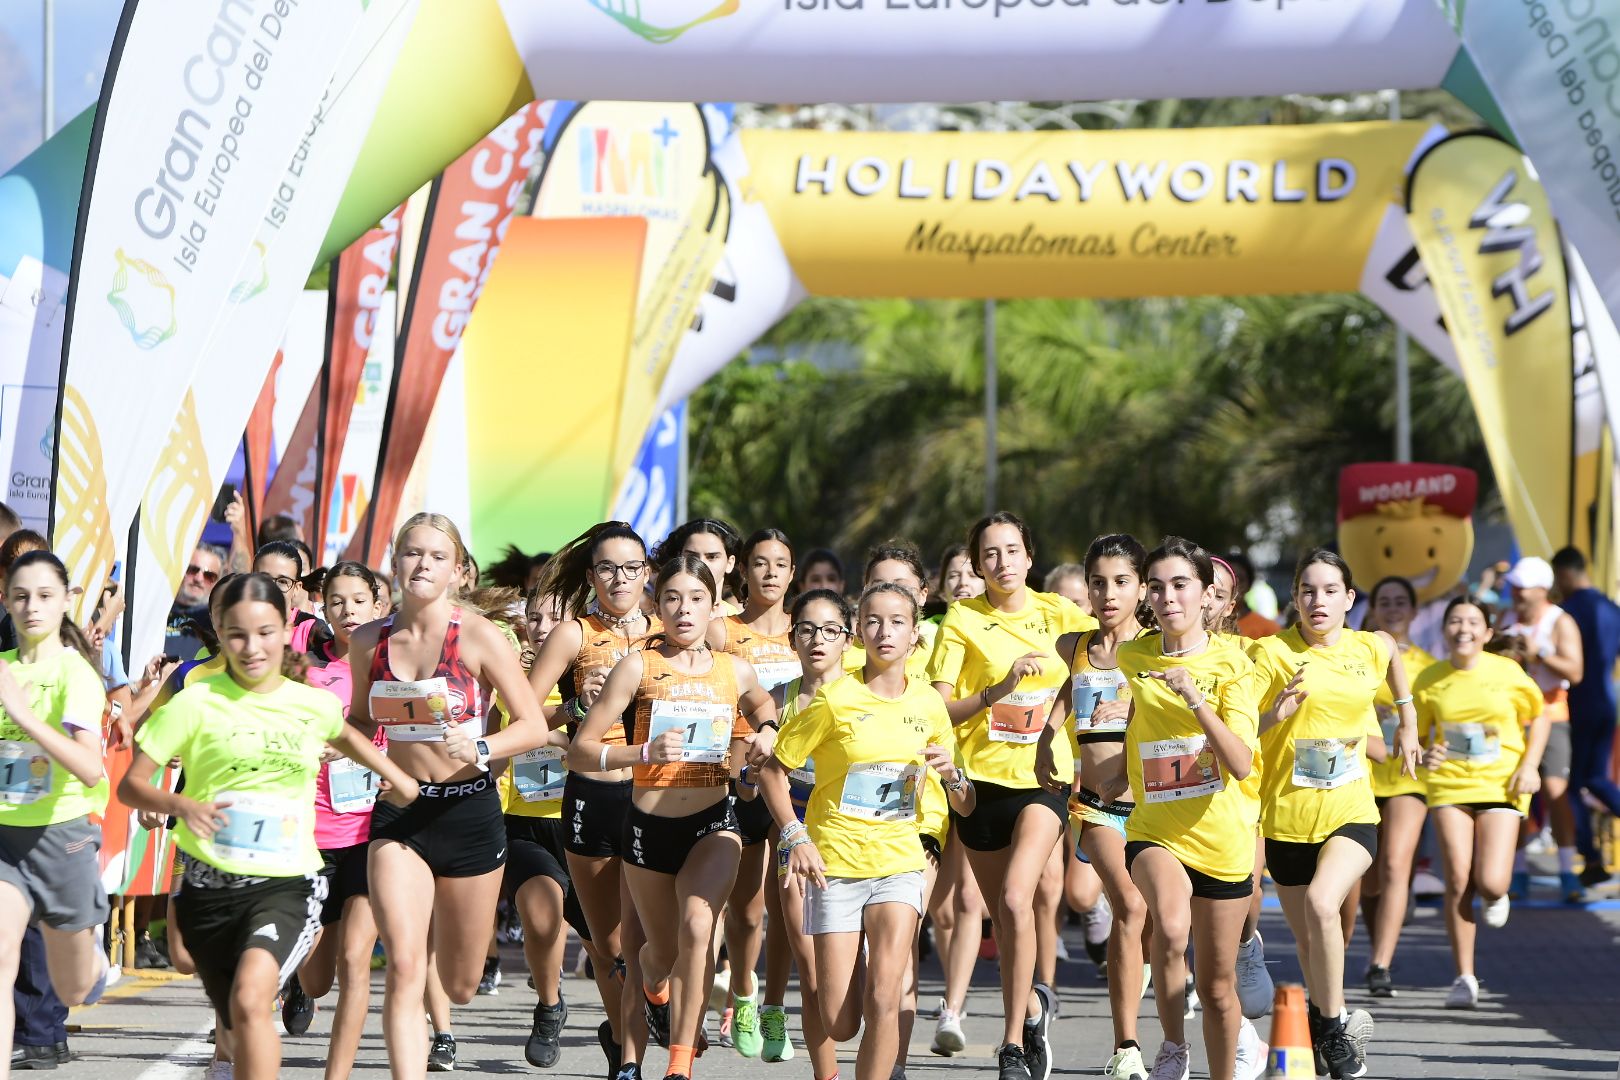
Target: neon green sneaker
<point>778,1045</point>
<point>745,1036</point>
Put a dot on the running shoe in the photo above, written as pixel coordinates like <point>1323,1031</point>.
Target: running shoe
<point>492,977</point>
<point>1319,1027</point>
<point>657,1022</point>
<point>898,1072</point>
<point>1192,999</point>
<point>1255,988</point>
<point>442,1054</point>
<point>147,957</point>
<point>1495,913</point>
<point>545,1037</point>
<point>1098,922</point>
<point>1173,1063</point>
<point>219,1070</point>
<point>297,1008</point>
<point>948,1036</point>
<point>628,1071</point>
<point>1037,1031</point>
<point>725,1027</point>
<point>610,1049</point>
<point>1126,1064</point>
<point>1464,993</point>
<point>1344,1045</point>
<point>1379,982</point>
<point>1147,980</point>
<point>1569,883</point>
<point>1251,1054</point>
<point>776,1044</point>
<point>1594,873</point>
<point>720,991</point>
<point>745,1036</point>
<point>1519,885</point>
<point>1359,1025</point>
<point>1061,950</point>
<point>1012,1064</point>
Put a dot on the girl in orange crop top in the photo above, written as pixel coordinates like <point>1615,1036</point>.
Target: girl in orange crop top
<point>680,839</point>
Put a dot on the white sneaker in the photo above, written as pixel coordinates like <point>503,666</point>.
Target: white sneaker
<point>1255,988</point>
<point>1126,1065</point>
<point>720,992</point>
<point>1251,1054</point>
<point>1098,922</point>
<point>1192,999</point>
<point>1495,913</point>
<point>1464,993</point>
<point>1173,1063</point>
<point>948,1036</point>
<point>1062,952</point>
<point>1147,980</point>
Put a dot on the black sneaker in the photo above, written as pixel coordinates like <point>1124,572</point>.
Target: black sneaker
<point>545,1038</point>
<point>492,977</point>
<point>630,1070</point>
<point>442,1054</point>
<point>657,1022</point>
<point>613,1051</point>
<point>1593,874</point>
<point>147,957</point>
<point>1012,1064</point>
<point>1319,1026</point>
<point>1379,983</point>
<point>1345,1058</point>
<point>1037,1052</point>
<point>297,1008</point>
<point>63,1054</point>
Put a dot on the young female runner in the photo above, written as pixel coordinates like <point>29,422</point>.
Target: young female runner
<point>995,666</point>
<point>51,781</point>
<point>1482,770</point>
<point>608,561</point>
<point>877,739</point>
<point>251,743</point>
<point>1402,803</point>
<point>680,842</point>
<point>716,543</point>
<point>425,673</point>
<point>1191,739</point>
<point>344,796</point>
<point>821,631</point>
<point>1098,699</point>
<point>760,635</point>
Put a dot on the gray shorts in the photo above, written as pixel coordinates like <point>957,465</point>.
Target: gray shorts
<point>1556,758</point>
<point>56,868</point>
<point>837,909</point>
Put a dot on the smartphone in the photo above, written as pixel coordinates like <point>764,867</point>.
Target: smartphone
<point>117,573</point>
<point>222,502</point>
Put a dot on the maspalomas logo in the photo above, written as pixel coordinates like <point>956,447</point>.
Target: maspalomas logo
<point>665,20</point>
<point>144,301</point>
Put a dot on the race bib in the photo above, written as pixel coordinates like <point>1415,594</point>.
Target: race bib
<point>1020,716</point>
<point>1090,689</point>
<point>352,786</point>
<point>773,673</point>
<point>25,773</point>
<point>1474,744</point>
<point>881,791</point>
<point>260,830</point>
<point>705,728</point>
<point>1175,769</point>
<point>538,775</point>
<point>1326,764</point>
<point>412,711</point>
<point>804,775</point>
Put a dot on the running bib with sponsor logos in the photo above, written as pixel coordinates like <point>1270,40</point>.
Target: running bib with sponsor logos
<point>1174,769</point>
<point>413,711</point>
<point>705,728</point>
<point>881,791</point>
<point>1473,744</point>
<point>1020,716</point>
<point>260,830</point>
<point>353,787</point>
<point>538,774</point>
<point>25,773</point>
<point>1326,764</point>
<point>774,673</point>
<point>1090,689</point>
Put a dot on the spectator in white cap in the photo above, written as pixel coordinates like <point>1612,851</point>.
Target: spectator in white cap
<point>1547,642</point>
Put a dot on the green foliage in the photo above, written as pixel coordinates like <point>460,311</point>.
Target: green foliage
<point>1209,417</point>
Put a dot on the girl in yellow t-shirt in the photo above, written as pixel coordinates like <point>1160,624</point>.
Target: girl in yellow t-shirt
<point>1402,804</point>
<point>1190,742</point>
<point>878,741</point>
<point>1098,699</point>
<point>995,664</point>
<point>822,621</point>
<point>1482,771</point>
<point>1316,811</point>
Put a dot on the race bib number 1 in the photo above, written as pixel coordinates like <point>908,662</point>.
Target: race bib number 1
<point>1476,744</point>
<point>538,774</point>
<point>881,791</point>
<point>353,787</point>
<point>1174,769</point>
<point>412,711</point>
<point>705,728</point>
<point>1326,764</point>
<point>259,830</point>
<point>25,773</point>
<point>1020,716</point>
<point>1090,689</point>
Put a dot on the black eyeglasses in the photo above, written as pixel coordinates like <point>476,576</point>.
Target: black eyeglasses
<point>806,631</point>
<point>612,570</point>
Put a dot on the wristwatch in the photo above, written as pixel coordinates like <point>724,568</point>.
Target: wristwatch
<point>482,748</point>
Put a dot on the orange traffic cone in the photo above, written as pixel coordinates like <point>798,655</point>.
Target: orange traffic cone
<point>1290,1057</point>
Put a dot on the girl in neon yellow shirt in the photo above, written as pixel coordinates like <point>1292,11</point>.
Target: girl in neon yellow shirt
<point>878,742</point>
<point>1482,771</point>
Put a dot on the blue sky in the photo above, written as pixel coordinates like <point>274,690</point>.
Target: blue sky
<point>84,33</point>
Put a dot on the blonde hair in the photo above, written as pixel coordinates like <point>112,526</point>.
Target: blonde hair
<point>433,521</point>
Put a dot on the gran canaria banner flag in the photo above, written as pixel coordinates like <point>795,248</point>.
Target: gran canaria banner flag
<point>1487,235</point>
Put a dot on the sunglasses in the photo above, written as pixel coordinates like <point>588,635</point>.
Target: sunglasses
<point>209,576</point>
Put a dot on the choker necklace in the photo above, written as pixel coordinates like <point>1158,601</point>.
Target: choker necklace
<point>1188,649</point>
<point>700,647</point>
<point>618,622</point>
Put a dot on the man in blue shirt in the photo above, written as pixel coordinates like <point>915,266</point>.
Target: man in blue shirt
<point>1592,703</point>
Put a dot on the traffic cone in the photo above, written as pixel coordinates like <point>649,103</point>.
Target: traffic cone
<point>1290,1057</point>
